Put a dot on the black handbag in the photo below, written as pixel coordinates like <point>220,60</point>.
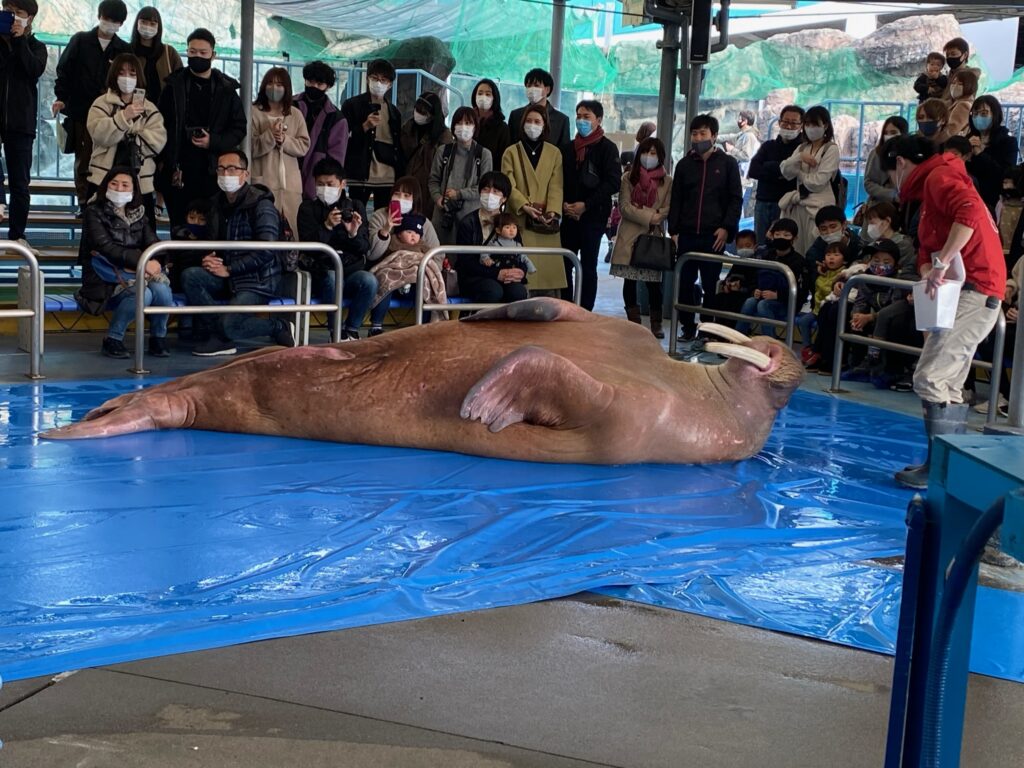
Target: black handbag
<point>653,251</point>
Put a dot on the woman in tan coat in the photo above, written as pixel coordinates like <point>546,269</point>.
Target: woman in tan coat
<point>643,201</point>
<point>279,141</point>
<point>535,169</point>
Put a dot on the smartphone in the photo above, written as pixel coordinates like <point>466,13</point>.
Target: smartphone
<point>7,22</point>
<point>139,98</point>
<point>395,209</point>
<point>374,108</point>
<point>198,133</point>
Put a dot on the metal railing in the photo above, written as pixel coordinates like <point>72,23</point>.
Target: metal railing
<point>141,310</point>
<point>477,250</point>
<point>35,312</point>
<point>422,75</point>
<point>775,266</point>
<point>999,340</point>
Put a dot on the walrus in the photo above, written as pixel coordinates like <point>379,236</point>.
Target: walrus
<point>535,380</point>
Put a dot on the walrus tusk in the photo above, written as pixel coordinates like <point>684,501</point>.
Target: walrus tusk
<point>752,356</point>
<point>724,332</point>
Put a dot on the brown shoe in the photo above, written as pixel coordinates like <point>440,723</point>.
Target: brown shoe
<point>633,314</point>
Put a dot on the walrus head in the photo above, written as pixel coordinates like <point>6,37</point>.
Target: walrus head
<point>757,362</point>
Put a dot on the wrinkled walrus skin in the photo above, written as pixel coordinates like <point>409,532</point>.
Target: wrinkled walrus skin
<point>538,380</point>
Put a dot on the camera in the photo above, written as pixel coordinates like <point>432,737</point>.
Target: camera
<point>197,133</point>
<point>451,208</point>
<point>347,214</point>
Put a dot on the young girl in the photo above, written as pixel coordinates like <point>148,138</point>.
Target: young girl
<point>506,234</point>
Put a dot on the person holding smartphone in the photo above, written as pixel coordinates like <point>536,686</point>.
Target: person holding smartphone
<point>22,63</point>
<point>127,129</point>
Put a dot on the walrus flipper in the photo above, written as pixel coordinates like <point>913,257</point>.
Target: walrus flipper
<point>539,310</point>
<point>149,410</point>
<point>535,386</point>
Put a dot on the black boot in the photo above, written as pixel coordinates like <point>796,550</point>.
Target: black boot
<point>939,419</point>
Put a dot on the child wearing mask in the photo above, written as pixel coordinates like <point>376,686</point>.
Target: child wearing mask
<point>734,290</point>
<point>829,271</point>
<point>884,255</point>
<point>770,298</point>
<point>194,228</point>
<point>932,83</point>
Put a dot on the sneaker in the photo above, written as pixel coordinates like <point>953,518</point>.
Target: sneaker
<point>214,347</point>
<point>158,347</point>
<point>1002,407</point>
<point>376,330</point>
<point>806,353</point>
<point>883,380</point>
<point>24,242</point>
<point>350,334</point>
<point>286,336</point>
<point>903,385</point>
<point>813,361</point>
<point>686,334</point>
<point>115,348</point>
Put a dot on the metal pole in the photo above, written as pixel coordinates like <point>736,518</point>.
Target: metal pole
<point>668,86</point>
<point>36,311</point>
<point>693,88</point>
<point>246,63</point>
<point>1016,412</point>
<point>557,41</point>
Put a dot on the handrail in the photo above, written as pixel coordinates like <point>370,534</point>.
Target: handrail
<point>141,310</point>
<point>421,275</point>
<point>421,73</point>
<point>775,266</point>
<point>35,312</point>
<point>908,285</point>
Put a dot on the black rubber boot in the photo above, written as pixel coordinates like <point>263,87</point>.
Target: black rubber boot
<point>939,419</point>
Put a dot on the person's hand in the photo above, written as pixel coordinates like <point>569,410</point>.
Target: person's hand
<point>1011,315</point>
<point>3,211</point>
<point>131,111</point>
<point>451,194</point>
<point>371,122</point>
<point>809,159</point>
<point>721,238</point>
<point>910,298</point>
<point>769,295</point>
<point>575,210</point>
<point>394,219</point>
<point>976,144</point>
<point>533,213</point>
<point>57,107</point>
<point>153,267</point>
<point>837,289</point>
<point>657,219</point>
<point>859,319</point>
<point>215,265</point>
<point>278,129</point>
<point>203,142</point>
<point>333,219</point>
<point>352,227</point>
<point>935,278</point>
<point>177,180</point>
<point>511,275</point>
<point>1008,295</point>
<point>757,293</point>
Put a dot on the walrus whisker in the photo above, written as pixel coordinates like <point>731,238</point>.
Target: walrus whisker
<point>724,332</point>
<point>752,356</point>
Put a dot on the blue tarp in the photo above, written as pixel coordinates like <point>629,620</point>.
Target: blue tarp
<point>157,543</point>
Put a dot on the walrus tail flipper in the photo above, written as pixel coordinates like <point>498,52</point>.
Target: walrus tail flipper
<point>539,310</point>
<point>535,386</point>
<point>143,413</point>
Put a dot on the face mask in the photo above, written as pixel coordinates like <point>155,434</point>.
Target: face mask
<point>928,127</point>
<point>534,94</point>
<point>745,253</point>
<point>313,93</point>
<point>490,201</point>
<point>953,62</point>
<point>484,103</point>
<point>229,183</point>
<point>881,268</point>
<point>126,84</point>
<point>464,133</point>
<point>703,146</point>
<point>199,65</point>
<point>403,205</point>
<point>650,162</point>
<point>956,91</point>
<point>20,22</point>
<point>873,231</point>
<point>420,119</point>
<point>584,128</point>
<point>275,93</point>
<point>109,28</point>
<point>833,237</point>
<point>146,32</point>
<point>788,134</point>
<point>781,244</point>
<point>378,89</point>
<point>329,195</point>
<point>814,132</point>
<point>533,131</point>
<point>982,122</point>
<point>119,198</point>
<point>198,230</point>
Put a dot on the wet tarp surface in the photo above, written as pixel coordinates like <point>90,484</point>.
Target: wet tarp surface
<point>142,545</point>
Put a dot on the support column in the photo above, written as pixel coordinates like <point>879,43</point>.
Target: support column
<point>668,87</point>
<point>557,42</point>
<point>694,82</point>
<point>246,61</point>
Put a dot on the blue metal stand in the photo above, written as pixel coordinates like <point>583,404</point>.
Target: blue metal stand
<point>969,475</point>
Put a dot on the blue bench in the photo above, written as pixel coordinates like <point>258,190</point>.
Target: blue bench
<point>65,302</point>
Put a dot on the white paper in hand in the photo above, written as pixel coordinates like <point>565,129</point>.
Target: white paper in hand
<point>939,313</point>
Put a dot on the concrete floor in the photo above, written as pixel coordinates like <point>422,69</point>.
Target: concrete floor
<point>576,682</point>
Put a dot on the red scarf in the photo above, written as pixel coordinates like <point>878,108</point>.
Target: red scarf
<point>645,191</point>
<point>580,144</point>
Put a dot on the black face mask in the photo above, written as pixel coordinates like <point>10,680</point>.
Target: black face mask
<point>953,62</point>
<point>313,93</point>
<point>199,65</point>
<point>781,244</point>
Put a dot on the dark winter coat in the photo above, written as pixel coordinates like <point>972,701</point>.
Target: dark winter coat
<point>252,216</point>
<point>764,168</point>
<point>594,182</point>
<point>706,195</point>
<point>353,250</point>
<point>120,240</point>
<point>989,167</point>
<point>361,143</point>
<point>82,71</point>
<point>22,63</point>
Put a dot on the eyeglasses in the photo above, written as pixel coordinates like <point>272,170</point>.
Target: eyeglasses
<point>230,170</point>
<point>790,123</point>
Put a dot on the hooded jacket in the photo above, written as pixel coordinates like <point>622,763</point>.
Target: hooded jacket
<point>948,195</point>
<point>22,63</point>
<point>252,216</point>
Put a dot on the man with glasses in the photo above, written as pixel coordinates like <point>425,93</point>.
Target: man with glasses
<point>240,211</point>
<point>204,118</point>
<point>374,157</point>
<point>764,168</point>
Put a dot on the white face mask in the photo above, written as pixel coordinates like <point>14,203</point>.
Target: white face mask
<point>464,133</point>
<point>20,22</point>
<point>874,231</point>
<point>329,195</point>
<point>109,28</point>
<point>420,119</point>
<point>229,183</point>
<point>403,205</point>
<point>745,253</point>
<point>490,201</point>
<point>275,93</point>
<point>378,89</point>
<point>126,84</point>
<point>814,132</point>
<point>147,32</point>
<point>119,199</point>
<point>788,134</point>
<point>650,162</point>
<point>833,237</point>
<point>484,102</point>
<point>533,131</point>
<point>534,94</point>
<point>956,91</point>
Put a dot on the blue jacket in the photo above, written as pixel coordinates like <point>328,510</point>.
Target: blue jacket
<point>251,217</point>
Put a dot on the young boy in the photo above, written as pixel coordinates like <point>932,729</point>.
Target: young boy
<point>932,83</point>
<point>829,271</point>
<point>735,288</point>
<point>770,297</point>
<point>506,231</point>
<point>194,228</point>
<point>884,255</point>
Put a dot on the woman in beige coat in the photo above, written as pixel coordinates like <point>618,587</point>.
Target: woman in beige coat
<point>643,202</point>
<point>814,165</point>
<point>279,141</point>
<point>535,169</point>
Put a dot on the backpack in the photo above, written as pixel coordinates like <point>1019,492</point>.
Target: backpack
<point>840,188</point>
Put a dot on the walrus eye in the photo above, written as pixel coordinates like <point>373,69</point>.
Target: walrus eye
<point>758,359</point>
<point>723,332</point>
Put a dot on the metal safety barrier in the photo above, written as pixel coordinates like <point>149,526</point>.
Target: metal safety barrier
<point>842,337</point>
<point>775,266</point>
<point>477,250</point>
<point>141,310</point>
<point>35,311</point>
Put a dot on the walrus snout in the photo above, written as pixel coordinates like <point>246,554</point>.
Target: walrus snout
<point>785,373</point>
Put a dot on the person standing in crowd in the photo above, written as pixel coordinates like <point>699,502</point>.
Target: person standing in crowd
<point>591,174</point>
<point>326,126</point>
<point>644,197</point>
<point>279,138</point>
<point>877,183</point>
<point>22,63</point>
<point>963,89</point>
<point>539,85</point>
<point>957,52</point>
<point>932,116</point>
<point>764,169</point>
<point>82,77</point>
<point>204,118</point>
<point>954,220</point>
<point>374,158</point>
<point>704,214</point>
<point>647,130</point>
<point>455,175</point>
<point>814,165</point>
<point>993,149</point>
<point>158,58</point>
<point>744,144</point>
<point>534,166</point>
<point>422,135</point>
<point>493,132</point>
<point>931,84</point>
<point>125,131</point>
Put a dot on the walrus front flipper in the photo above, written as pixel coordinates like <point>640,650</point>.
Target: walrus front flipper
<point>146,412</point>
<point>538,387</point>
<point>539,310</point>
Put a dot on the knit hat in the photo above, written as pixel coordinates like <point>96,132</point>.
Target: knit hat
<point>882,246</point>
<point>414,222</point>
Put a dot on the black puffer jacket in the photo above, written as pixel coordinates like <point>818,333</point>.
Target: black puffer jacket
<point>990,167</point>
<point>22,63</point>
<point>252,216</point>
<point>120,240</point>
<point>353,250</point>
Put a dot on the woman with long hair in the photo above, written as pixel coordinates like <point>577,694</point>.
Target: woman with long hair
<point>814,164</point>
<point>877,183</point>
<point>158,58</point>
<point>422,135</point>
<point>493,132</point>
